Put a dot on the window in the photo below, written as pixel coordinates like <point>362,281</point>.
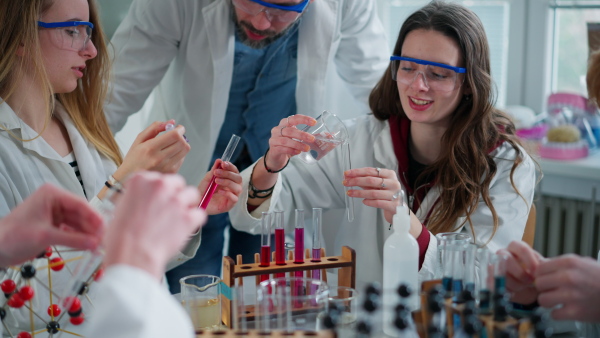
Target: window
<point>570,37</point>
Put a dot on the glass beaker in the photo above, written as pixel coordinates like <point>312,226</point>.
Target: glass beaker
<point>290,304</point>
<point>345,299</point>
<point>448,238</point>
<point>201,298</point>
<point>329,132</point>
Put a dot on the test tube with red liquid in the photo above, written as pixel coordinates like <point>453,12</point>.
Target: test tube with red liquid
<point>279,241</point>
<point>265,243</point>
<point>212,186</point>
<point>299,254</point>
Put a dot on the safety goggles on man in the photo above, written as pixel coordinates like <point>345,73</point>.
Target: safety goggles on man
<point>437,76</point>
<point>69,35</point>
<point>274,12</point>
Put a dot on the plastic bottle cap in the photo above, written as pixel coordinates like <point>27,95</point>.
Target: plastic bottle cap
<point>401,220</point>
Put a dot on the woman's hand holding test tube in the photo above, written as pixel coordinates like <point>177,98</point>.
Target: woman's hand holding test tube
<point>229,187</point>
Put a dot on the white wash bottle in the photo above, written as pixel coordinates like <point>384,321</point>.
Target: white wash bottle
<point>400,266</point>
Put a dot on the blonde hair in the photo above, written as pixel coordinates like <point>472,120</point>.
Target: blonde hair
<point>84,105</point>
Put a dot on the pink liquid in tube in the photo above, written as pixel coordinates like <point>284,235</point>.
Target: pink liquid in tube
<point>212,186</point>
<point>279,241</point>
<point>279,246</point>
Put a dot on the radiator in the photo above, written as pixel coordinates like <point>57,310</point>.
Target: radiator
<point>567,225</point>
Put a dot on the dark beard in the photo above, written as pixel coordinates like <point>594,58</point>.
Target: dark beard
<point>270,36</point>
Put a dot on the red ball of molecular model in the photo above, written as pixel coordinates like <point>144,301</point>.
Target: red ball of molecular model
<point>32,291</point>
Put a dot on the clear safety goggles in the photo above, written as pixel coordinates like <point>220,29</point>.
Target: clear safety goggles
<point>283,14</point>
<point>69,35</point>
<point>437,76</point>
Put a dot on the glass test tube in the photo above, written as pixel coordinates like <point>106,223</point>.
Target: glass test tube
<point>279,241</point>
<point>500,273</point>
<point>298,253</point>
<point>447,256</point>
<point>265,243</point>
<point>299,238</point>
<point>470,273</point>
<point>212,186</point>
<point>316,244</point>
<point>484,281</point>
<point>349,200</point>
<point>458,270</point>
<point>239,309</point>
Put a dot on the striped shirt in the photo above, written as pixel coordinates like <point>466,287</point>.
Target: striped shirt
<point>73,163</point>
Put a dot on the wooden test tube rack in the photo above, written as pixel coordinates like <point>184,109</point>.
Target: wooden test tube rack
<point>346,265</point>
<point>257,334</point>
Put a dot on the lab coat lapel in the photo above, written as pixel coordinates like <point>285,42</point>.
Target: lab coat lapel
<point>315,43</point>
<point>85,155</point>
<point>221,43</point>
<point>384,150</point>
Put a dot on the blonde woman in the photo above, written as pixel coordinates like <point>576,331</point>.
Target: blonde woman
<point>54,72</point>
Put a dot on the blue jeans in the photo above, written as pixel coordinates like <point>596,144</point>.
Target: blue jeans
<point>209,258</point>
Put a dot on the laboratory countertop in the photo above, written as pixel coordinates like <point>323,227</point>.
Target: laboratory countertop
<point>586,168</point>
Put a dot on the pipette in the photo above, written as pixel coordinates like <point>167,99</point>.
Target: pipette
<point>212,186</point>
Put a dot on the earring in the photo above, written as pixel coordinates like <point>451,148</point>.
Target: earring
<point>468,97</point>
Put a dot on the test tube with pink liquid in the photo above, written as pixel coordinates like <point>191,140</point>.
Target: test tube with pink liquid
<point>212,186</point>
<point>279,241</point>
<point>298,253</point>
<point>265,242</point>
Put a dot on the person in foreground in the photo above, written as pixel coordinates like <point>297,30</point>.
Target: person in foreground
<point>153,219</point>
<point>435,130</point>
<point>569,283</point>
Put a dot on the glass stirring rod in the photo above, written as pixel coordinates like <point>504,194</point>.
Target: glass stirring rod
<point>212,186</point>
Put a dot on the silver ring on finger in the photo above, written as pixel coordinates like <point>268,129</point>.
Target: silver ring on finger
<point>281,130</point>
<point>382,184</point>
<point>378,170</point>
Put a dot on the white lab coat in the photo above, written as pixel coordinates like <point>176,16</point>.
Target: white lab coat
<point>303,186</point>
<point>26,166</point>
<point>187,47</point>
<point>133,304</point>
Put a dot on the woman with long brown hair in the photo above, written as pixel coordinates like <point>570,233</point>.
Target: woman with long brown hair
<point>434,127</point>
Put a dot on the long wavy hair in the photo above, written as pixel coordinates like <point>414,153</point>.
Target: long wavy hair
<point>18,24</point>
<point>475,127</point>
